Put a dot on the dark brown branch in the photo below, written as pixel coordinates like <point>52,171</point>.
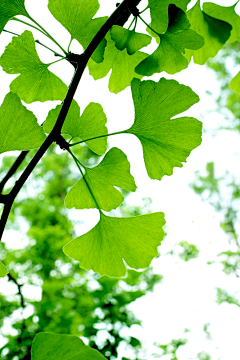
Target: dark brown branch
<point>11,278</point>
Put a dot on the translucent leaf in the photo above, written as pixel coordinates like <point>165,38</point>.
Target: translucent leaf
<point>122,66</point>
<point>128,39</point>
<point>215,33</point>
<point>76,16</point>
<point>114,239</point>
<point>225,13</point>
<point>235,83</point>
<point>159,12</point>
<point>36,82</point>
<point>19,129</point>
<point>3,271</point>
<point>10,8</point>
<point>90,124</point>
<point>114,170</point>
<point>166,143</point>
<point>48,346</point>
<point>169,56</point>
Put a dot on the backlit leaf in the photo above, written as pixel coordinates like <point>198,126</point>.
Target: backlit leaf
<point>159,12</point>
<point>166,143</point>
<point>9,9</point>
<point>48,346</point>
<point>19,129</point>
<point>112,240</point>
<point>114,170</point>
<point>169,56</point>
<point>215,33</point>
<point>3,271</point>
<point>128,39</point>
<point>36,82</point>
<point>90,124</point>
<point>235,83</point>
<point>76,16</point>
<point>122,66</point>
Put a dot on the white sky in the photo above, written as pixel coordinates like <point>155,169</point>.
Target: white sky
<point>186,299</point>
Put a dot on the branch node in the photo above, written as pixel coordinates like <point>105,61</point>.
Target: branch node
<point>74,59</point>
<point>134,10</point>
<point>62,143</point>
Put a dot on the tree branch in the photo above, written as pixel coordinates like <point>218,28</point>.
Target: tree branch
<point>11,278</point>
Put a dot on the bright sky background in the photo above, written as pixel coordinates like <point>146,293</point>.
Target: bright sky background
<point>186,299</point>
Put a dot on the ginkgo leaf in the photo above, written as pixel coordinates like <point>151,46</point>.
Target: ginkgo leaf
<point>235,83</point>
<point>166,143</point>
<point>76,16</point>
<point>3,271</point>
<point>19,129</point>
<point>169,56</point>
<point>114,239</point>
<point>89,125</point>
<point>225,13</point>
<point>48,346</point>
<point>128,39</point>
<point>215,33</point>
<point>36,82</point>
<point>122,66</point>
<point>159,12</point>
<point>9,9</point>
<point>97,188</point>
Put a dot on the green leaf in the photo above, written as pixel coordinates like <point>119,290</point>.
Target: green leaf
<point>235,83</point>
<point>122,66</point>
<point>3,271</point>
<point>90,124</point>
<point>128,39</point>
<point>114,239</point>
<point>76,16</point>
<point>166,143</point>
<point>159,12</point>
<point>227,14</point>
<point>114,170</point>
<point>169,56</point>
<point>36,82</point>
<point>10,8</point>
<point>215,33</point>
<point>48,346</point>
<point>19,129</point>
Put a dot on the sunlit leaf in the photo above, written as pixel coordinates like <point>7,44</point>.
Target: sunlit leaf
<point>36,82</point>
<point>19,129</point>
<point>166,143</point>
<point>112,240</point>
<point>48,346</point>
<point>121,63</point>
<point>90,124</point>
<point>3,271</point>
<point>97,188</point>
<point>9,9</point>
<point>169,56</point>
<point>129,39</point>
<point>76,16</point>
<point>215,33</point>
<point>235,83</point>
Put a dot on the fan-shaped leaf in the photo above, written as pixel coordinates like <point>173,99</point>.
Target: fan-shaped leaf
<point>3,271</point>
<point>19,129</point>
<point>90,124</point>
<point>36,82</point>
<point>10,8</point>
<point>114,170</point>
<point>114,239</point>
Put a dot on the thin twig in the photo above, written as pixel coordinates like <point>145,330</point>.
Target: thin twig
<point>11,278</point>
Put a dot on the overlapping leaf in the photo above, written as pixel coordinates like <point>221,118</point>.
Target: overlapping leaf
<point>215,33</point>
<point>48,346</point>
<point>114,239</point>
<point>227,14</point>
<point>76,16</point>
<point>36,82</point>
<point>3,271</point>
<point>166,143</point>
<point>89,125</point>
<point>19,129</point>
<point>128,39</point>
<point>97,188</point>
<point>122,66</point>
<point>169,56</point>
<point>159,12</point>
<point>10,8</point>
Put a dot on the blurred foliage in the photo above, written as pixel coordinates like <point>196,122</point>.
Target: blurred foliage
<point>72,300</point>
<point>185,251</point>
<point>170,348</point>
